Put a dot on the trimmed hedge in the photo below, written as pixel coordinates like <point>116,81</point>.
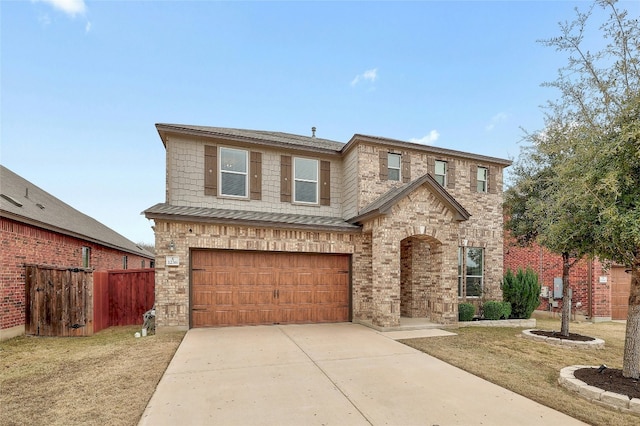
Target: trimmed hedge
<point>466,311</point>
<point>495,310</point>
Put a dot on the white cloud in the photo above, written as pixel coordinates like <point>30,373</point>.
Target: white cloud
<point>429,139</point>
<point>369,75</point>
<point>495,120</point>
<point>70,7</point>
<point>87,27</point>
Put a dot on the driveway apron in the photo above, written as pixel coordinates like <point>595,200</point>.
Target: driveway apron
<point>326,374</point>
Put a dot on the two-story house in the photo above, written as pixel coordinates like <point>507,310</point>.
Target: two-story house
<point>264,227</point>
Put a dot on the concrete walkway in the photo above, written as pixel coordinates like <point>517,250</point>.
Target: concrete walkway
<point>327,374</point>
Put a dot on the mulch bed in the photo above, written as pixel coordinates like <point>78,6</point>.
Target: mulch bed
<point>558,335</point>
<point>610,379</point>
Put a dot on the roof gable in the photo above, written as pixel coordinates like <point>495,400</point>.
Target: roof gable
<point>26,203</point>
<point>383,205</point>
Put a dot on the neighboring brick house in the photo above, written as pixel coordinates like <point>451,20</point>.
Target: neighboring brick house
<point>37,228</point>
<point>600,292</point>
<point>264,227</point>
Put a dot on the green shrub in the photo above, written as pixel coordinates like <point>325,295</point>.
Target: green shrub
<point>506,310</point>
<point>522,291</point>
<point>492,310</point>
<point>466,311</point>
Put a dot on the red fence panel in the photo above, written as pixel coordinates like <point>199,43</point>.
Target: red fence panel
<point>122,296</point>
<point>100,300</point>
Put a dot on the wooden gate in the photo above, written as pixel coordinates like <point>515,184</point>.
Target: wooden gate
<point>59,301</point>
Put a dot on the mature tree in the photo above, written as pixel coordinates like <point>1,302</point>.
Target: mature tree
<point>538,210</point>
<point>589,153</point>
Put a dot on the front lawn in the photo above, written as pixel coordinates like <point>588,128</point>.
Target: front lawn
<point>104,379</point>
<point>530,368</point>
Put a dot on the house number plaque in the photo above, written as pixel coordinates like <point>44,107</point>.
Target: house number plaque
<point>173,260</point>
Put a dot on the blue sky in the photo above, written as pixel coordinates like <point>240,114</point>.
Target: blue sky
<point>83,83</point>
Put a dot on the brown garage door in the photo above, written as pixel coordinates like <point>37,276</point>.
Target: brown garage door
<point>620,286</point>
<point>250,288</point>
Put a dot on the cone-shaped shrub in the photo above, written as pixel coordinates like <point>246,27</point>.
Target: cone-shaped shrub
<point>522,290</point>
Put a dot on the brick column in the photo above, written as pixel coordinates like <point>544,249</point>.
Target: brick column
<point>386,276</point>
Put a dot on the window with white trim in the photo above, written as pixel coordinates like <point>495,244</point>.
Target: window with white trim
<point>440,172</point>
<point>305,177</point>
<point>481,181</point>
<point>233,172</point>
<point>394,162</point>
<point>470,271</point>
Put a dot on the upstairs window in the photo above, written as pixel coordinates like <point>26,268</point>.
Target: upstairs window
<point>481,179</point>
<point>394,162</point>
<point>233,172</point>
<point>440,173</point>
<point>125,262</point>
<point>305,172</point>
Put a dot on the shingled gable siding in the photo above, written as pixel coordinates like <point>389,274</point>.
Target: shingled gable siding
<point>325,182</point>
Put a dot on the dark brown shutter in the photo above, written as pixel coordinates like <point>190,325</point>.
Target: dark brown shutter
<point>406,167</point>
<point>384,165</point>
<point>451,174</point>
<point>210,170</point>
<point>431,166</point>
<point>255,180</point>
<point>285,178</point>
<point>491,180</point>
<point>473,178</point>
<point>325,183</point>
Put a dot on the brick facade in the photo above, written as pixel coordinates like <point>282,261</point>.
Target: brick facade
<point>24,244</point>
<point>404,259</point>
<point>590,280</point>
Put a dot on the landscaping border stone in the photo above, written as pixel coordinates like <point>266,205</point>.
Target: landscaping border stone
<point>516,323</point>
<point>614,400</point>
<point>591,344</point>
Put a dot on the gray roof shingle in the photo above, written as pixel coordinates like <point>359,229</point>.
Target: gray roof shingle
<point>24,202</point>
<point>254,136</point>
<point>204,214</point>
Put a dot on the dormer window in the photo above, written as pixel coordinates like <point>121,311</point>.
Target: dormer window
<point>394,162</point>
<point>233,172</point>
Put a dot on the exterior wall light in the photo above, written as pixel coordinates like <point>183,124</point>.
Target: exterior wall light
<point>172,246</point>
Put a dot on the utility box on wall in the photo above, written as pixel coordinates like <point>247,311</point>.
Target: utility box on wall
<point>557,288</point>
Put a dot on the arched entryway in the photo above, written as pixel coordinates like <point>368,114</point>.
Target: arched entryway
<point>420,273</point>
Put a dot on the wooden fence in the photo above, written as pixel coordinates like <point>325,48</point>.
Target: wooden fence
<point>58,301</point>
<point>121,297</point>
<point>80,302</point>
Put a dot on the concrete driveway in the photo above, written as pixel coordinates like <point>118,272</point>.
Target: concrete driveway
<point>326,374</point>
